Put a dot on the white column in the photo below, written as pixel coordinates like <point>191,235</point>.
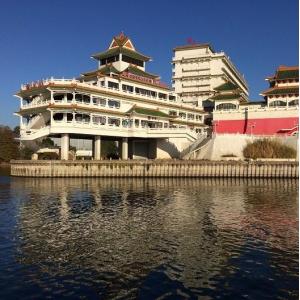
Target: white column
<point>97,147</point>
<point>64,148</point>
<point>51,97</point>
<point>125,148</point>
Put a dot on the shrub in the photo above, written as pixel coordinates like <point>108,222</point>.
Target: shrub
<point>267,148</point>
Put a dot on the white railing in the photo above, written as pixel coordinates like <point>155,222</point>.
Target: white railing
<point>92,125</point>
<point>156,99</point>
<point>254,109</point>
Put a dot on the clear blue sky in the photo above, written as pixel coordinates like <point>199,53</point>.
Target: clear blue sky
<point>39,39</point>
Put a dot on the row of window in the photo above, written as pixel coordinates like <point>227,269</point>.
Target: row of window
<point>141,91</point>
<point>282,103</point>
<point>277,103</point>
<point>114,121</point>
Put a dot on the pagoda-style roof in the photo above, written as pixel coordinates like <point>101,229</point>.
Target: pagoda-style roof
<point>281,91</point>
<point>147,112</point>
<point>109,68</point>
<point>121,44</point>
<point>136,71</point>
<point>227,86</point>
<point>285,73</point>
<point>105,70</point>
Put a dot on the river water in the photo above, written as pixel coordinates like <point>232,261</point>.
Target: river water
<point>148,238</point>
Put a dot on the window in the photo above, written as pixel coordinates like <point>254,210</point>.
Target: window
<point>225,106</point>
<point>99,120</point>
<point>133,61</point>
<point>113,85</point>
<point>172,98</point>
<point>162,96</point>
<point>86,99</point>
<point>69,97</point>
<point>145,92</point>
<point>294,102</point>
<point>144,123</point>
<point>127,88</point>
<point>136,122</point>
<point>198,117</point>
<point>58,117</point>
<point>125,122</point>
<point>191,116</point>
<point>114,121</point>
<point>173,113</point>
<point>182,115</point>
<point>113,103</point>
<point>109,59</point>
<point>165,125</point>
<point>58,97</point>
<point>99,101</point>
<point>82,118</point>
<point>69,117</point>
<point>277,103</point>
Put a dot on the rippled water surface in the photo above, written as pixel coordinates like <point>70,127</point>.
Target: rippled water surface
<point>148,239</point>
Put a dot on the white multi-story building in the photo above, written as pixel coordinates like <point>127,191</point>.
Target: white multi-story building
<point>119,100</point>
<point>198,70</point>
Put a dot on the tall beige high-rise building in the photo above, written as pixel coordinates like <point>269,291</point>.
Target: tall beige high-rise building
<point>198,69</point>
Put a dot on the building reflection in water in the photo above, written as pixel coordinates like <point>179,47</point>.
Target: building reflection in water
<point>123,229</point>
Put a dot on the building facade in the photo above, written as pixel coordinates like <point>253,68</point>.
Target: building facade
<point>118,101</point>
<point>277,114</point>
<point>198,70</point>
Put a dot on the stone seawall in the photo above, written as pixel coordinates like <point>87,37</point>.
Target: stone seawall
<point>155,168</point>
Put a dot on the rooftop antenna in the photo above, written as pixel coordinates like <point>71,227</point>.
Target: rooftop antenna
<point>191,41</point>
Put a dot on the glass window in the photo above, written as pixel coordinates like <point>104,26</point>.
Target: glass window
<point>136,122</point>
<point>294,102</point>
<point>58,117</point>
<point>114,121</point>
<point>69,117</point>
<point>133,61</point>
<point>277,103</point>
<point>182,115</point>
<point>113,85</point>
<point>113,103</point>
<point>99,120</point>
<point>58,97</point>
<point>162,96</point>
<point>144,123</point>
<point>225,106</point>
<point>127,88</point>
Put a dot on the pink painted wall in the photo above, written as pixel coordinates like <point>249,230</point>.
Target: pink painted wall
<point>267,126</point>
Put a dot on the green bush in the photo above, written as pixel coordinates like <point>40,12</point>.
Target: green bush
<point>267,148</point>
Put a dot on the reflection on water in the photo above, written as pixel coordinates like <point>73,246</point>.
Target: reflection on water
<point>148,238</point>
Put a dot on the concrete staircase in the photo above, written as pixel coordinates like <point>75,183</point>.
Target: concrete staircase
<point>192,151</point>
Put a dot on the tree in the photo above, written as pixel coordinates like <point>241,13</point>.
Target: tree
<point>9,148</point>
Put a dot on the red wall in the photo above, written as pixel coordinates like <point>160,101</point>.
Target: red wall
<point>266,126</point>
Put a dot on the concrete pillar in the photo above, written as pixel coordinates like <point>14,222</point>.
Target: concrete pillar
<point>124,148</point>
<point>97,147</point>
<point>64,150</point>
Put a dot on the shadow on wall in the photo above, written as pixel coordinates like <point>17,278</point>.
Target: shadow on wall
<point>169,148</point>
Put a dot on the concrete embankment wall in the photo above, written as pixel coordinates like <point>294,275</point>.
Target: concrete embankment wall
<point>163,168</point>
<point>224,144</point>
